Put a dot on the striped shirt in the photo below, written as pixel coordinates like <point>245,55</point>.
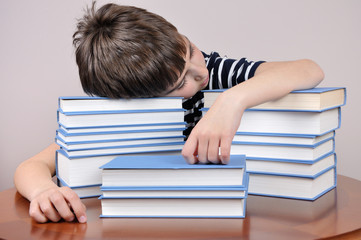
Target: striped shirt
<point>223,73</point>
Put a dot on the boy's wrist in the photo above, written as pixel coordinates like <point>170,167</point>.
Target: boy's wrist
<point>235,98</point>
<point>39,190</point>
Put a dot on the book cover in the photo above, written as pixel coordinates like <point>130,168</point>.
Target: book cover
<point>314,99</point>
<point>124,150</point>
<point>284,151</point>
<point>93,145</point>
<point>289,123</point>
<point>123,129</point>
<point>168,171</point>
<point>293,186</point>
<point>288,167</point>
<point>101,104</point>
<point>124,118</point>
<point>85,171</point>
<point>176,191</point>
<point>174,207</point>
<point>212,205</point>
<point>299,140</point>
<point>76,138</point>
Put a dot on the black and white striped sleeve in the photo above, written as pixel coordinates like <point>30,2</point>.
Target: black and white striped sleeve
<point>226,73</point>
<point>223,73</point>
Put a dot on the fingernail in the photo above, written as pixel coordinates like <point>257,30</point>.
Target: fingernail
<point>82,219</point>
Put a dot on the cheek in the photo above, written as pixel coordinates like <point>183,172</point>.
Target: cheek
<point>190,90</point>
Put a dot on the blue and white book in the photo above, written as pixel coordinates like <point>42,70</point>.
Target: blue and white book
<point>293,186</point>
<point>85,171</point>
<point>174,192</point>
<point>284,151</point>
<point>291,167</point>
<point>76,138</point>
<point>232,207</point>
<point>69,104</point>
<point>282,140</point>
<point>314,99</point>
<point>122,150</point>
<point>119,118</point>
<point>289,123</point>
<point>124,129</point>
<point>171,171</point>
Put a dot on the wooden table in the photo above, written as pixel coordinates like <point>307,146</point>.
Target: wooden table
<point>336,215</point>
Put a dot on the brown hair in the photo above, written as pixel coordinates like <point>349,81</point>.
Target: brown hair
<point>124,52</point>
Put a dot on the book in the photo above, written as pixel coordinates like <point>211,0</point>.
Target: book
<point>70,104</point>
<point>314,99</point>
<point>116,136</point>
<point>122,150</point>
<point>170,171</point>
<point>288,123</point>
<point>299,140</point>
<point>166,186</point>
<point>271,151</point>
<point>124,129</point>
<point>173,192</point>
<point>291,167</point>
<point>119,118</point>
<point>293,186</point>
<point>85,171</point>
<point>91,145</point>
<point>174,207</point>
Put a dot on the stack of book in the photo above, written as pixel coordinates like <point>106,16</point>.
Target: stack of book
<point>290,143</point>
<point>93,130</point>
<point>166,186</point>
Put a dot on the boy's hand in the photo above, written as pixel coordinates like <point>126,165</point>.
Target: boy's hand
<point>211,139</point>
<point>57,203</point>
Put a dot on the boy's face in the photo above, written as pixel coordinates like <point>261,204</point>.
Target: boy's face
<point>194,77</point>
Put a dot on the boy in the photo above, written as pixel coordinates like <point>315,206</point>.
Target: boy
<point>125,52</point>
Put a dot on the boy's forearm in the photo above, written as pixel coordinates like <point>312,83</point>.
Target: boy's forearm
<point>276,79</point>
<point>35,174</point>
<point>31,178</point>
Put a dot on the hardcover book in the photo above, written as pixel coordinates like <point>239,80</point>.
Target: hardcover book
<point>72,138</point>
<point>288,123</point>
<point>314,99</point>
<point>166,186</point>
<point>291,167</point>
<point>85,171</point>
<point>70,104</point>
<point>270,151</point>
<point>116,118</point>
<point>293,186</point>
<point>170,171</point>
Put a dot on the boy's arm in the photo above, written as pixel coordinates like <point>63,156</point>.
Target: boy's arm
<point>210,140</point>
<point>33,180</point>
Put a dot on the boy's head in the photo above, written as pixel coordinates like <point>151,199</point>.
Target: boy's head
<point>124,52</point>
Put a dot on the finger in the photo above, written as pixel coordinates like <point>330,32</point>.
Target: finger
<point>226,143</point>
<point>213,151</point>
<point>203,150</point>
<point>36,213</point>
<point>62,206</point>
<point>190,150</point>
<point>76,204</point>
<point>49,211</point>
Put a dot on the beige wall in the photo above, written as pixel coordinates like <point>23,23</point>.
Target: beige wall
<point>37,60</point>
